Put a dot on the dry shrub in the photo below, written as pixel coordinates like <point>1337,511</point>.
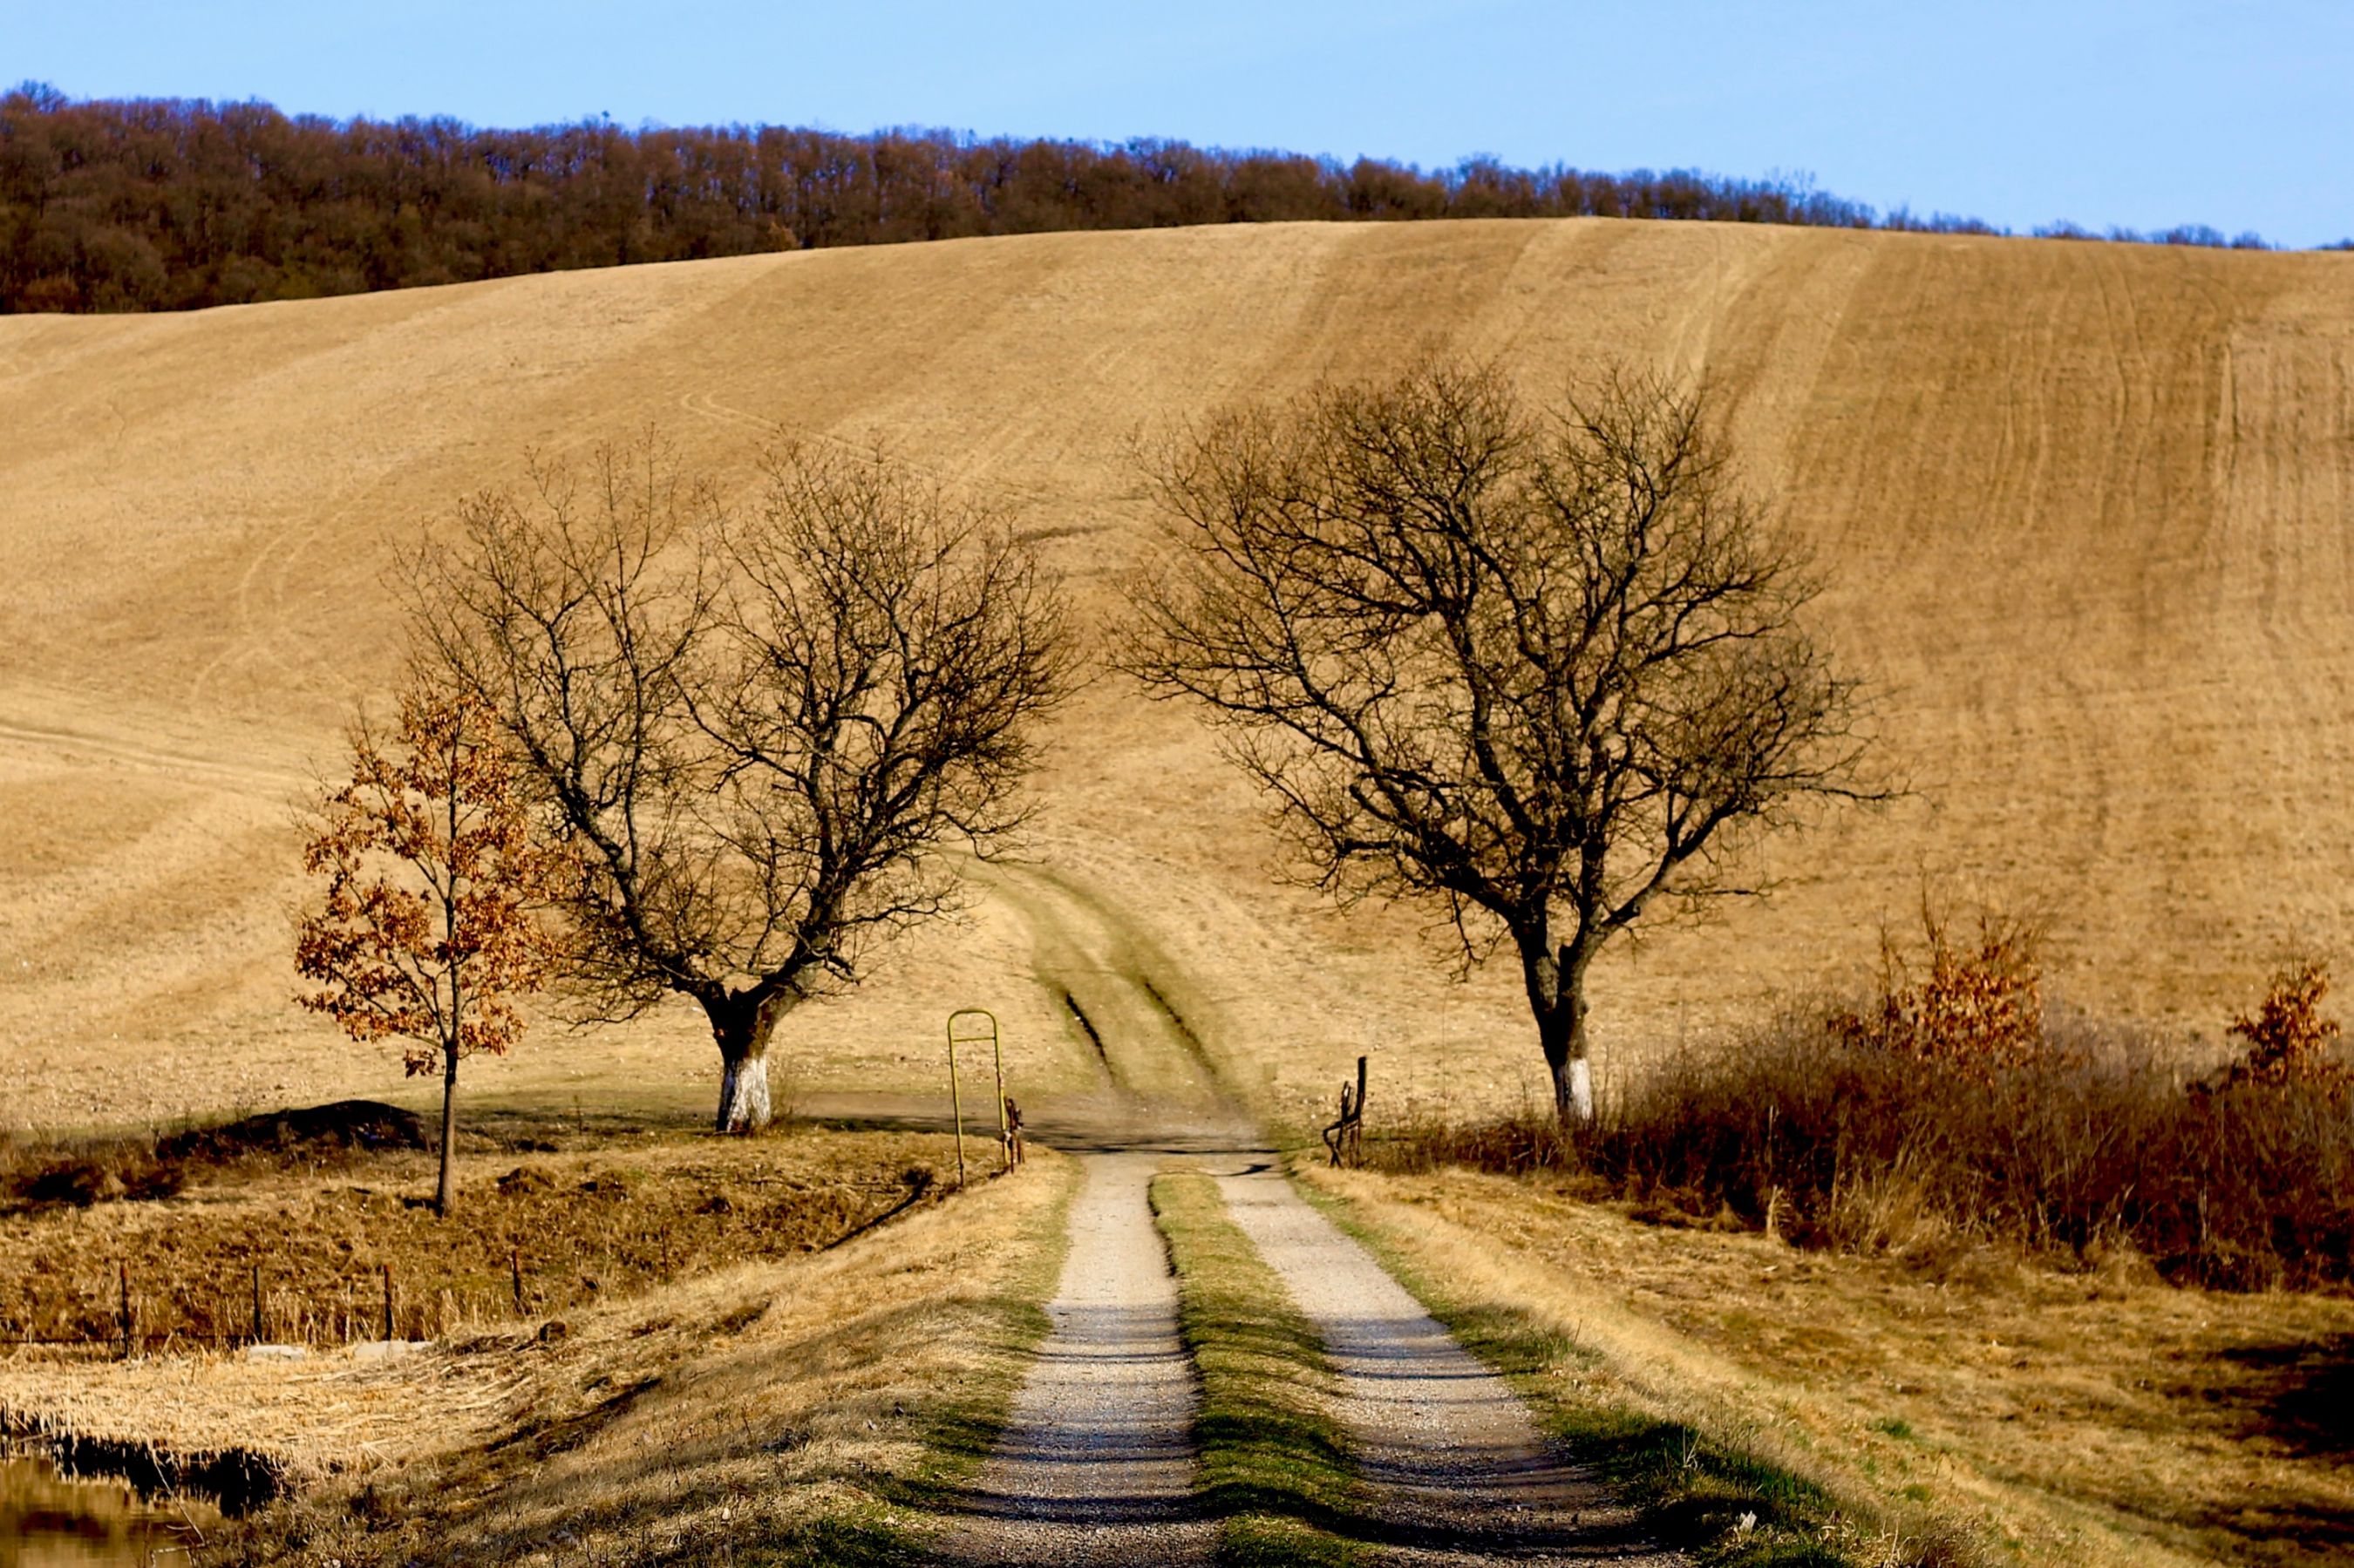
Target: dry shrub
<point>2288,1039</point>
<point>1979,1010</point>
<point>2089,1147</point>
<point>79,1172</point>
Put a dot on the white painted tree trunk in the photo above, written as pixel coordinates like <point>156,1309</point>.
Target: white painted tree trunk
<point>744,1093</point>
<point>1581,1091</point>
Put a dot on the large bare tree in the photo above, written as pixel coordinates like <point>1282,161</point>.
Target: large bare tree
<point>759,730</point>
<point>1528,663</point>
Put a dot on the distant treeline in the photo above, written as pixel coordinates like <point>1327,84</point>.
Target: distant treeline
<point>174,204</point>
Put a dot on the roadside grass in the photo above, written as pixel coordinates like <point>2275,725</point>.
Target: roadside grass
<point>825,1410</point>
<point>960,1431</point>
<point>1276,1470</point>
<point>1727,1502</point>
<point>2096,1418</point>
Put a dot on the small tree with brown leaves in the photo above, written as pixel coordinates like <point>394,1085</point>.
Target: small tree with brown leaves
<point>1528,664</point>
<point>1977,1011</point>
<point>2288,1039</point>
<point>424,931</point>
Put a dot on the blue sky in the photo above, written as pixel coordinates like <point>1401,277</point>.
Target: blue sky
<point>2238,113</point>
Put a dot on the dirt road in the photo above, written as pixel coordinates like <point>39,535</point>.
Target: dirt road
<point>1457,1472</point>
<point>1097,1465</point>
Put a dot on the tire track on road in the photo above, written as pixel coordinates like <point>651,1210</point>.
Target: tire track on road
<point>1097,1465</point>
<point>1457,1472</point>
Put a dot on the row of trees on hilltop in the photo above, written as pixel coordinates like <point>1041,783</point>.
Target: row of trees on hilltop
<point>176,203</point>
<point>1526,665</point>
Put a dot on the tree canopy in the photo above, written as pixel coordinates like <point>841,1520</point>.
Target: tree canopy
<point>172,204</point>
<point>423,929</point>
<point>760,731</point>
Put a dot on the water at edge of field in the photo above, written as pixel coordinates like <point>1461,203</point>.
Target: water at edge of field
<point>49,1520</point>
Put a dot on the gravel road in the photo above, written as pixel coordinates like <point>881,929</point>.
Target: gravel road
<point>1097,1464</point>
<point>1456,1470</point>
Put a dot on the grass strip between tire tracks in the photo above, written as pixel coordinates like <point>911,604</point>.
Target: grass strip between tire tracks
<point>1277,1467</point>
<point>1725,1507</point>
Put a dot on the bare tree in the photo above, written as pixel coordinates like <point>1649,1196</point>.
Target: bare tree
<point>1528,664</point>
<point>759,733</point>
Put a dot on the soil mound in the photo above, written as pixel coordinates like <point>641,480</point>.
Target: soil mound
<point>369,1125</point>
<point>105,1171</point>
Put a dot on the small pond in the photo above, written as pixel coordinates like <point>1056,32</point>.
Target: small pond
<point>49,1520</point>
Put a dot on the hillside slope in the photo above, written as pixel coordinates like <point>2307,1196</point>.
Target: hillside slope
<point>2089,510</point>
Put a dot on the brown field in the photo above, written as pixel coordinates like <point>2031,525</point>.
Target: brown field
<point>2086,507</point>
<point>2086,513</point>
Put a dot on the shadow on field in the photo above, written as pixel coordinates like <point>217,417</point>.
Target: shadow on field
<point>2302,1393</point>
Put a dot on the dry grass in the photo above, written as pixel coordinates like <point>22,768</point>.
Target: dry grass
<point>2088,1418</point>
<point>618,1212</point>
<point>2082,506</point>
<point>616,1231</point>
<point>1945,1112</point>
<point>2091,1147</point>
<point>776,1412</point>
<point>202,1416</point>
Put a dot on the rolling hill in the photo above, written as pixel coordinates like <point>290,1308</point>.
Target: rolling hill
<point>2088,510</point>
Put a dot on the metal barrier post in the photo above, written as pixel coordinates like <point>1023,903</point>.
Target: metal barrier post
<point>956,1098</point>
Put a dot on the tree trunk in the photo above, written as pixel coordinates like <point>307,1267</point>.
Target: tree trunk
<point>1556,983</point>
<point>744,1091</point>
<point>442,1193</point>
<point>1573,1077</point>
<point>742,1029</point>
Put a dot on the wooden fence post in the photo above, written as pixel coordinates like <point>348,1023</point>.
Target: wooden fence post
<point>256,1303</point>
<point>515,1262</point>
<point>122,1278</point>
<point>1357,1124</point>
<point>1345,1137</point>
<point>387,1301</point>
